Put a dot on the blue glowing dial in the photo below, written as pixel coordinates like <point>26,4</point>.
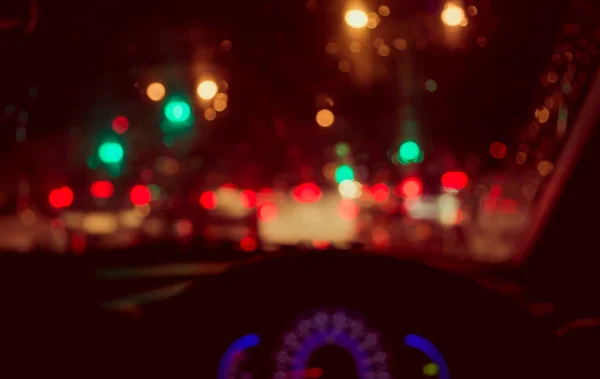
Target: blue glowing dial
<point>330,345</point>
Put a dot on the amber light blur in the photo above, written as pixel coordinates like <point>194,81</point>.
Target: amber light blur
<point>325,118</point>
<point>207,89</point>
<point>453,15</point>
<point>356,18</point>
<point>156,91</point>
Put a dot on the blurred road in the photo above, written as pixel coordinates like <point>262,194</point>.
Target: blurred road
<point>436,225</point>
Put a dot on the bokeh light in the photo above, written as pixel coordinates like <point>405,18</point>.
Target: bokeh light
<point>400,44</point>
<point>409,152</point>
<point>140,195</point>
<point>210,114</point>
<point>226,45</point>
<point>342,149</point>
<point>453,15</point>
<point>348,209</point>
<point>344,172</point>
<point>384,10</point>
<point>102,189</point>
<point>208,200</point>
<point>307,193</point>
<point>248,244</point>
<point>178,111</point>
<point>61,197</point>
<point>220,102</point>
<point>542,114</point>
<point>350,189</point>
<point>207,89</point>
<point>431,369</point>
<point>411,188</point>
<point>380,192</point>
<point>248,199</point>
<point>120,124</point>
<point>110,152</point>
<point>325,118</point>
<point>344,66</point>
<point>156,91</point>
<point>498,150</point>
<point>455,180</point>
<point>545,168</point>
<point>356,18</point>
<point>431,85</point>
<point>267,212</point>
<point>384,50</point>
<point>372,20</point>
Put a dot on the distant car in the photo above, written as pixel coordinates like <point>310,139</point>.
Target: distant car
<point>226,212</point>
<point>307,215</point>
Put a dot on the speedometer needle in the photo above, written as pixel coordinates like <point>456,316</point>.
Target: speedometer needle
<point>311,373</point>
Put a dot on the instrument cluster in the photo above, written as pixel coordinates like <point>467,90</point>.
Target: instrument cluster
<point>331,344</point>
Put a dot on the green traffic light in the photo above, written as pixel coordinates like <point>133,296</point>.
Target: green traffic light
<point>178,111</point>
<point>344,172</point>
<point>110,152</point>
<point>409,152</point>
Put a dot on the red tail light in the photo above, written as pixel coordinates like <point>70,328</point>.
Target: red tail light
<point>307,193</point>
<point>208,200</point>
<point>455,180</point>
<point>248,199</point>
<point>248,244</point>
<point>61,198</point>
<point>348,209</point>
<point>102,189</point>
<point>380,192</point>
<point>411,188</point>
<point>140,195</point>
<point>267,212</point>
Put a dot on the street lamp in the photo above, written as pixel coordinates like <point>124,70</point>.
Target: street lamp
<point>356,18</point>
<point>453,15</point>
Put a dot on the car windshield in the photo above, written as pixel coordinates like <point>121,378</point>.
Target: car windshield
<point>421,126</point>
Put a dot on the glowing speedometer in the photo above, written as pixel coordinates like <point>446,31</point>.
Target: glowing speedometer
<point>331,345</point>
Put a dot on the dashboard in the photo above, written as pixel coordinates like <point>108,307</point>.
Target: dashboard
<point>312,316</point>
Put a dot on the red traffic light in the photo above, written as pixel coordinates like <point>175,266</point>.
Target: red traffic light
<point>120,124</point>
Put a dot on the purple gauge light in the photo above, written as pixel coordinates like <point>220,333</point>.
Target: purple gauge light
<point>331,342</point>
